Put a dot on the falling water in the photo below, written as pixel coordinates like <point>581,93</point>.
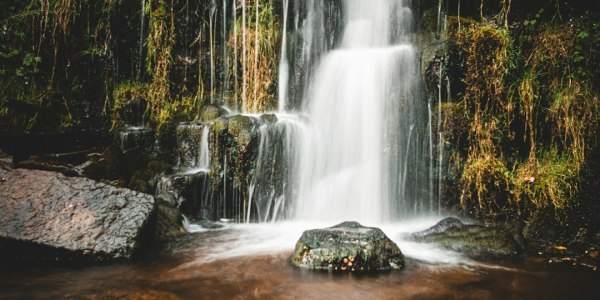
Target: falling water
<point>439,130</point>
<point>211,35</point>
<point>364,100</point>
<point>256,49</point>
<point>283,62</point>
<point>244,79</point>
<point>204,155</point>
<point>142,20</point>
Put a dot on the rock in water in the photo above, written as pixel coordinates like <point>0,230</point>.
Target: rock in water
<point>346,247</point>
<point>46,215</point>
<point>473,240</point>
<point>441,226</point>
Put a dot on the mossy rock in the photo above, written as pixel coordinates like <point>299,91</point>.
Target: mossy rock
<point>269,118</point>
<point>168,218</point>
<point>211,112</point>
<point>242,128</point>
<point>473,240</point>
<point>347,247</point>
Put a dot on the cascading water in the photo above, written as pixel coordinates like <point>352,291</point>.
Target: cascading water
<point>363,105</point>
<point>351,139</point>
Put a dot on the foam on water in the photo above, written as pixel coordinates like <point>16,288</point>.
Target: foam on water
<point>248,240</point>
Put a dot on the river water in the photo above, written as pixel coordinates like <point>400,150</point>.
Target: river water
<point>252,262</point>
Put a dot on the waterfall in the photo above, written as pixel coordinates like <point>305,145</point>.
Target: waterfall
<point>363,103</point>
<point>352,139</point>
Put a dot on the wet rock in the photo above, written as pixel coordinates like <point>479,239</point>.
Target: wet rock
<point>581,240</point>
<point>473,240</point>
<point>168,218</point>
<point>36,162</point>
<point>133,160</point>
<point>269,118</point>
<point>105,166</point>
<point>211,112</point>
<point>145,180</point>
<point>191,192</point>
<point>346,247</point>
<point>134,137</point>
<point>440,227</point>
<point>6,163</point>
<point>46,216</point>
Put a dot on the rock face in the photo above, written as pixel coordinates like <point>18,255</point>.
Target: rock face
<point>347,247</point>
<point>473,240</point>
<point>46,215</point>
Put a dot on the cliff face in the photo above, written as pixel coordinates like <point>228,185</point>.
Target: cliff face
<point>516,91</point>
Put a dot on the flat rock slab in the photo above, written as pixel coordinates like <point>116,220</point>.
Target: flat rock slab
<point>347,247</point>
<point>71,216</point>
<point>473,240</point>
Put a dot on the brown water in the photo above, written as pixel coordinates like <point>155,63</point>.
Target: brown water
<point>187,268</point>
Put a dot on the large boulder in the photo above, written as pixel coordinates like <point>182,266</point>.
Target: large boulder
<point>347,247</point>
<point>46,215</point>
<point>473,240</point>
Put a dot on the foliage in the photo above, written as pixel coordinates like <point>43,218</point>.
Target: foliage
<point>533,85</point>
<point>258,88</point>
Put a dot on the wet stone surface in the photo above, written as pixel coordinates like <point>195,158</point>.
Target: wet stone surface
<point>347,247</point>
<point>472,240</point>
<point>46,215</point>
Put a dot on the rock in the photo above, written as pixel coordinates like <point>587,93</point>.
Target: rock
<point>6,163</point>
<point>269,118</point>
<point>347,247</point>
<point>211,112</point>
<point>134,137</point>
<point>133,160</point>
<point>106,166</point>
<point>36,162</point>
<point>168,218</point>
<point>473,240</point>
<point>49,216</point>
<point>581,240</point>
<point>441,226</point>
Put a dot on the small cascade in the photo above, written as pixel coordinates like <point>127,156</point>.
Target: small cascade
<point>134,137</point>
<point>204,155</point>
<point>270,191</point>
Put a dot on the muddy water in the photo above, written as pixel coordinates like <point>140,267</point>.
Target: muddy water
<point>214,265</point>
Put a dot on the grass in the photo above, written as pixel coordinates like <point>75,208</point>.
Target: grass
<point>261,64</point>
<point>536,89</point>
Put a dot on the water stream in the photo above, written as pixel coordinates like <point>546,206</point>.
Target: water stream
<point>364,102</point>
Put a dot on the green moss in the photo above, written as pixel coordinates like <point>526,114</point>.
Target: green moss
<point>553,180</point>
<point>532,105</point>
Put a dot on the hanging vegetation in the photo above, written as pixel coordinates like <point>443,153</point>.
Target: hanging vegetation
<point>255,44</point>
<point>529,84</point>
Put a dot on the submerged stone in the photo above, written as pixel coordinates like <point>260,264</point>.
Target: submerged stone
<point>347,247</point>
<point>473,240</point>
